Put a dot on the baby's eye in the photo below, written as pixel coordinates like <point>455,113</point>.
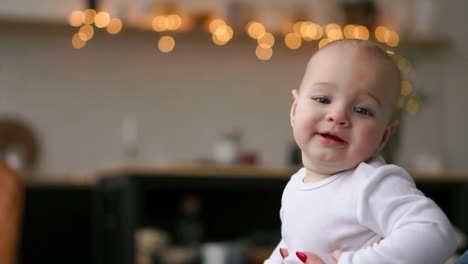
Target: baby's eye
<point>362,111</point>
<point>321,100</point>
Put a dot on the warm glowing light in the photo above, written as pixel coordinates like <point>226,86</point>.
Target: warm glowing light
<point>255,29</point>
<point>215,24</point>
<point>349,31</point>
<point>77,42</point>
<point>391,38</point>
<point>332,27</point>
<point>89,15</point>
<point>267,40</point>
<point>391,52</point>
<point>412,106</point>
<point>318,32</point>
<point>293,41</point>
<point>217,41</point>
<point>159,23</point>
<point>222,35</point>
<point>174,22</point>
<point>306,30</point>
<point>166,44</point>
<point>297,27</point>
<point>102,19</point>
<point>323,42</point>
<point>310,31</point>
<point>361,32</point>
<point>115,26</point>
<point>86,32</point>
<point>380,32</point>
<point>406,88</point>
<point>76,18</point>
<point>263,53</point>
<point>333,32</point>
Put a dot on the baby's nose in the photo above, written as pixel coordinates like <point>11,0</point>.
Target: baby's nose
<point>338,117</point>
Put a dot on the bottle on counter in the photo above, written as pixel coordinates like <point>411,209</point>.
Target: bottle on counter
<point>189,229</point>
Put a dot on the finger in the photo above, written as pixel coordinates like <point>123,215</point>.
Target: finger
<point>337,254</point>
<point>284,252</point>
<point>309,258</point>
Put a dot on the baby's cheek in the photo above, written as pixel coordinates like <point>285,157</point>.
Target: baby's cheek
<point>369,143</point>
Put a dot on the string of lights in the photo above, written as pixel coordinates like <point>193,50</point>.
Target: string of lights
<point>294,35</point>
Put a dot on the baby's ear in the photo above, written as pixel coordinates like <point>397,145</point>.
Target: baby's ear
<point>388,132</point>
<point>293,107</point>
<point>295,94</point>
<point>393,126</point>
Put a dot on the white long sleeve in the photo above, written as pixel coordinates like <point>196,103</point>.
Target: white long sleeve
<point>354,209</point>
<point>414,229</point>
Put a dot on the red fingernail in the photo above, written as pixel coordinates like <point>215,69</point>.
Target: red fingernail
<point>301,256</point>
<point>281,252</point>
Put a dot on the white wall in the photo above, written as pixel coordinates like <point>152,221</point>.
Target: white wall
<point>440,128</point>
<point>77,99</point>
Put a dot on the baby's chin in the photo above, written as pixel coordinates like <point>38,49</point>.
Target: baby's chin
<point>329,168</point>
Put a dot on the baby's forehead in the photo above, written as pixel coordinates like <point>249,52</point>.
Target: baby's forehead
<point>365,55</point>
<point>351,48</point>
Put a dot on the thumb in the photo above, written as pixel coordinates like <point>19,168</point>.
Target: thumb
<point>284,252</point>
<point>309,258</point>
<point>337,254</point>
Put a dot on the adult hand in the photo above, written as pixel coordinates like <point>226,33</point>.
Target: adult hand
<point>311,258</point>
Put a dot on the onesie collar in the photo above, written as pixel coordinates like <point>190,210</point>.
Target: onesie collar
<point>299,176</point>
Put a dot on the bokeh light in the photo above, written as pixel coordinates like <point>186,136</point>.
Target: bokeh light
<point>159,23</point>
<point>293,40</point>
<point>380,32</point>
<point>412,106</point>
<point>406,88</point>
<point>310,31</point>
<point>222,35</point>
<point>77,41</point>
<point>391,38</point>
<point>89,16</point>
<point>215,24</point>
<point>361,32</point>
<point>333,31</point>
<point>349,31</point>
<point>174,22</point>
<point>263,53</point>
<point>266,40</point>
<point>297,27</point>
<point>115,26</point>
<point>255,29</point>
<point>76,18</point>
<point>323,42</point>
<point>102,19</point>
<point>166,44</point>
<point>86,32</point>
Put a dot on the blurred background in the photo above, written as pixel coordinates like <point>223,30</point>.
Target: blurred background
<point>88,86</point>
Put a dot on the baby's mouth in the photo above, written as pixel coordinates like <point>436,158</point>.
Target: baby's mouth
<point>332,137</point>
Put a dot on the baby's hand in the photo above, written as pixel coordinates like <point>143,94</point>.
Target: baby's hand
<point>311,258</point>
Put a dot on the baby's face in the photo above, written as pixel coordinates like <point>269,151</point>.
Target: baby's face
<point>342,113</point>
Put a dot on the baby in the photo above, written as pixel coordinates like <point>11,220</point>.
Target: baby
<point>346,197</point>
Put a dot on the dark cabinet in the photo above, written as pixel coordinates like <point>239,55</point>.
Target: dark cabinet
<point>236,203</point>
